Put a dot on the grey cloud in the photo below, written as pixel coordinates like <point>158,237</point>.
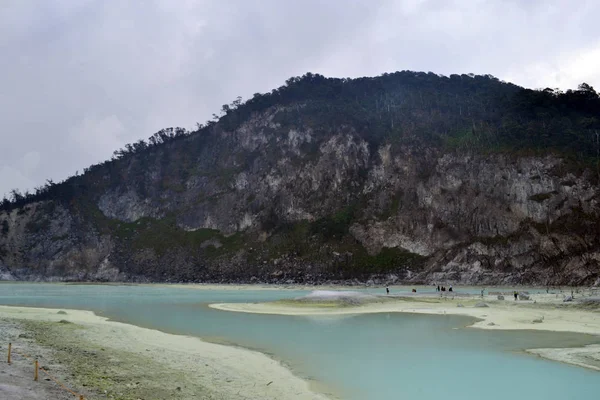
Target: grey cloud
<point>82,78</point>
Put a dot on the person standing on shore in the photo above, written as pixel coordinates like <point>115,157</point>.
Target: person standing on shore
<point>387,290</point>
<point>516,294</point>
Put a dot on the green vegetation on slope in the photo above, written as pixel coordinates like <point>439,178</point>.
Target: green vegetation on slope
<point>328,241</point>
<point>161,235</point>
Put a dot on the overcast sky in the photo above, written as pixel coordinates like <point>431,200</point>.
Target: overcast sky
<point>80,78</point>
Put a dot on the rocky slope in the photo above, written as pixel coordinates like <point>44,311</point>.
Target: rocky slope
<point>279,201</point>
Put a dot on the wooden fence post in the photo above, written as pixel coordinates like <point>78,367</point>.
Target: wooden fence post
<point>35,373</point>
<point>9,350</point>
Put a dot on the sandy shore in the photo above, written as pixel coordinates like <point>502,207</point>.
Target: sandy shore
<point>185,367</point>
<point>543,312</point>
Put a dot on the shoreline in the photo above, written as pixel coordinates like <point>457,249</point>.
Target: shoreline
<point>299,286</point>
<point>547,313</point>
<point>223,371</point>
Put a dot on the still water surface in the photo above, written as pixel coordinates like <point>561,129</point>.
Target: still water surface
<point>372,356</point>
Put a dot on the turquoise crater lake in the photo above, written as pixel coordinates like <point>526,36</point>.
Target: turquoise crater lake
<point>387,355</point>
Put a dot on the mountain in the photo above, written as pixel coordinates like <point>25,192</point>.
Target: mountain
<point>404,177</point>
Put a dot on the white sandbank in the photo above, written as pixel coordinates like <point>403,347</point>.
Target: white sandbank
<point>500,314</point>
<point>231,372</point>
<point>504,314</point>
<point>587,357</point>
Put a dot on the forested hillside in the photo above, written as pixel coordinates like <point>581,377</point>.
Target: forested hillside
<point>405,176</point>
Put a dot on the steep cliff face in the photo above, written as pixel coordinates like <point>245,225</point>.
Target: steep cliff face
<point>290,202</point>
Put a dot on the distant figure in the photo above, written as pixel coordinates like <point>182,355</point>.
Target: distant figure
<point>443,289</point>
<point>450,288</point>
<point>387,290</point>
<point>482,290</point>
<point>516,294</point>
<point>414,290</point>
<point>438,288</point>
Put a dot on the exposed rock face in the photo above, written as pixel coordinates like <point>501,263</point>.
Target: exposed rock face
<point>229,206</point>
<point>127,206</point>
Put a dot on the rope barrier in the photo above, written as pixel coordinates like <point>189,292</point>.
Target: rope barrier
<point>60,383</point>
<point>27,356</point>
<point>31,358</point>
